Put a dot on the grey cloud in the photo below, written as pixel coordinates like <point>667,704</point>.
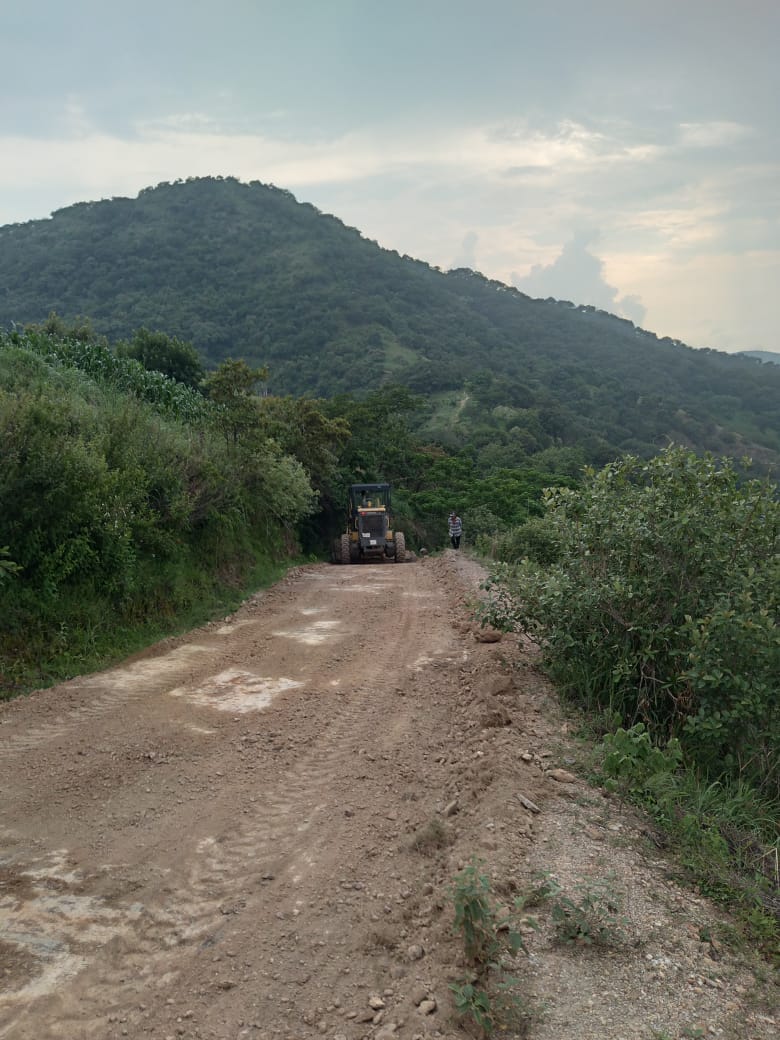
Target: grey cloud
<point>578,275</point>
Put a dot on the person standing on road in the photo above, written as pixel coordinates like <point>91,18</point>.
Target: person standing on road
<point>455,527</point>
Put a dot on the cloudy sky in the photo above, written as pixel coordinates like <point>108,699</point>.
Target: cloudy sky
<point>622,153</point>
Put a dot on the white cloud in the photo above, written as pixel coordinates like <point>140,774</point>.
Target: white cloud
<point>712,301</point>
<point>194,143</point>
<point>577,274</point>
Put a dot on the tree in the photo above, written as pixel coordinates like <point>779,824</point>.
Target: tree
<point>301,429</point>
<point>231,387</point>
<point>159,352</point>
<point>382,446</point>
<point>79,329</point>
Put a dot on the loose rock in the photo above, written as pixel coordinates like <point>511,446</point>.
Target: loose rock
<point>562,776</point>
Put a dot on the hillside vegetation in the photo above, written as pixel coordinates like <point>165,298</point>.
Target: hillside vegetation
<point>654,592</point>
<point>244,270</point>
<point>129,504</point>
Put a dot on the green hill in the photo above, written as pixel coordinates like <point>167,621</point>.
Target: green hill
<point>244,270</point>
<point>770,357</point>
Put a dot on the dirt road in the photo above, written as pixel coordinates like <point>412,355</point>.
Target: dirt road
<point>252,831</point>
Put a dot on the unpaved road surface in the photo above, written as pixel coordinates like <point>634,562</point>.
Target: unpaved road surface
<point>252,832</point>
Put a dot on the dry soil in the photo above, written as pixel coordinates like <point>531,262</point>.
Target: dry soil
<point>253,831</point>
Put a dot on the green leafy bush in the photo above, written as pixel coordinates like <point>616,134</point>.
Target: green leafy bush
<point>534,540</point>
<point>631,757</point>
<point>117,510</point>
<point>662,605</point>
<point>7,566</point>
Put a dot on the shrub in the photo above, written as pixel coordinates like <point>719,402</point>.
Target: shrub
<point>118,509</point>
<point>662,605</point>
<point>533,540</point>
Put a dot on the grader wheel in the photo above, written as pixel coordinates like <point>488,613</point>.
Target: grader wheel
<point>344,555</point>
<point>400,547</point>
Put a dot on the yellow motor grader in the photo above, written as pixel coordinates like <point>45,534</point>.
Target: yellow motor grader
<point>369,534</point>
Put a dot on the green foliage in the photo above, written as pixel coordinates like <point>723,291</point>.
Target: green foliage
<point>487,998</point>
<point>381,446</point>
<point>662,605</point>
<point>159,352</point>
<point>734,662</point>
<point>723,832</point>
<point>588,916</point>
<point>657,610</point>
<point>231,388</point>
<point>302,429</point>
<point>631,756</point>
<point>7,566</point>
<point>277,485</point>
<point>500,1009</point>
<point>127,375</point>
<point>534,540</point>
<point>120,513</point>
<point>475,917</point>
<point>79,329</point>
<point>489,503</point>
<point>585,916</point>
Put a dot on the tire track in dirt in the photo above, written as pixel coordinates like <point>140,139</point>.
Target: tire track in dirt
<point>286,829</point>
<point>281,835</point>
<point>96,696</point>
<point>119,686</point>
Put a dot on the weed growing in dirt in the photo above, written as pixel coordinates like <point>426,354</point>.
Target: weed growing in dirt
<point>433,836</point>
<point>488,997</point>
<point>588,916</point>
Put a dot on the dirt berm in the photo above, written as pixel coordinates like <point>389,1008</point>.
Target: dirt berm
<point>252,831</point>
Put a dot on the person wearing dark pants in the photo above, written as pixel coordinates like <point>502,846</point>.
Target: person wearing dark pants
<point>455,527</point>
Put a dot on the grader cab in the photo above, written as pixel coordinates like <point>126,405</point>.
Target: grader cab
<point>369,534</point>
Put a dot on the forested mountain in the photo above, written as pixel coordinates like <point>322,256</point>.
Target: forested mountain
<point>770,357</point>
<point>244,270</point>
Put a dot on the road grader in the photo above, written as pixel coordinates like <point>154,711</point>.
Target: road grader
<point>369,529</point>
